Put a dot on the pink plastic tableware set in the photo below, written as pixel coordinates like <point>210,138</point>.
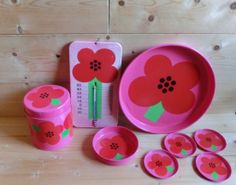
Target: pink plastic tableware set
<point>164,89</point>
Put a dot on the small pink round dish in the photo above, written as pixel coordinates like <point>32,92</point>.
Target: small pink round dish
<point>213,167</point>
<point>209,140</point>
<point>166,88</point>
<point>115,145</point>
<point>180,145</point>
<point>160,164</point>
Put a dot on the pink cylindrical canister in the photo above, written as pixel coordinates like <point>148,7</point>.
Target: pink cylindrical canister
<point>48,109</point>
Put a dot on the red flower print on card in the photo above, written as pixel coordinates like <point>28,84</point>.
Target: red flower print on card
<point>44,96</point>
<point>166,83</point>
<point>179,145</point>
<point>160,164</point>
<point>114,148</point>
<point>95,65</point>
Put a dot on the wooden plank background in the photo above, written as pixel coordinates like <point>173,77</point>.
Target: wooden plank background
<point>173,16</point>
<point>27,61</point>
<point>34,38</point>
<point>53,16</point>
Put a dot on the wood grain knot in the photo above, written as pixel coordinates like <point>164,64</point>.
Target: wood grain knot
<point>58,55</point>
<point>14,1</point>
<point>19,29</point>
<point>14,54</point>
<point>233,6</point>
<point>121,3</point>
<point>96,41</point>
<point>216,47</point>
<point>108,37</point>
<point>151,18</point>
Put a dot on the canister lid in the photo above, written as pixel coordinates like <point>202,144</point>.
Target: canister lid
<point>46,101</point>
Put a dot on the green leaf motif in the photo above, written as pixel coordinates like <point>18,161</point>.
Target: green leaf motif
<point>55,102</point>
<point>170,169</point>
<point>65,133</point>
<point>36,128</point>
<point>214,147</point>
<point>154,112</point>
<point>184,152</point>
<point>215,175</point>
<point>118,156</point>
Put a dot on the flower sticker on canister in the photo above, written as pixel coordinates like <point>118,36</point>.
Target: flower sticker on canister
<point>45,96</point>
<point>48,110</point>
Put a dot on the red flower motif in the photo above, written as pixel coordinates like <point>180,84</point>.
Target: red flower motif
<point>159,164</point>
<point>95,65</point>
<point>31,131</point>
<point>112,147</point>
<point>178,144</point>
<point>48,133</point>
<point>209,139</point>
<point>166,83</point>
<point>44,96</point>
<point>212,165</point>
<point>68,123</point>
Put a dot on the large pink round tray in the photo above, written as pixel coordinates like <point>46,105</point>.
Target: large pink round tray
<point>166,88</point>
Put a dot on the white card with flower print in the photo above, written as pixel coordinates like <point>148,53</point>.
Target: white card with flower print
<point>94,76</point>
